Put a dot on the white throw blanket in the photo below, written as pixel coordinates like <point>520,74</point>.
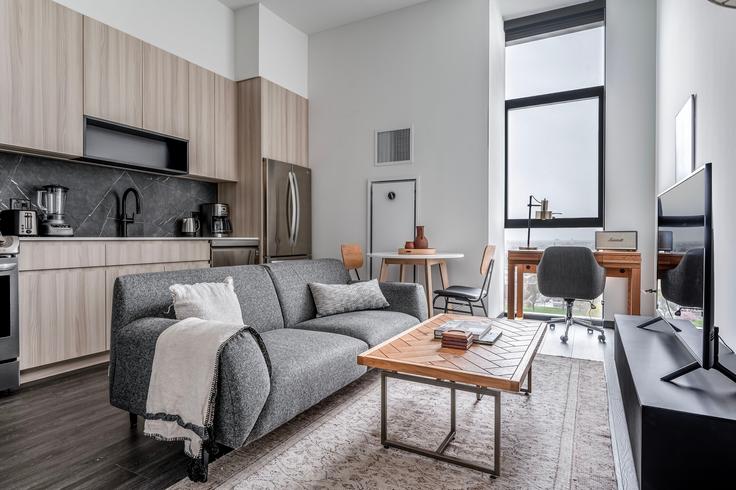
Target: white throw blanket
<point>181,394</point>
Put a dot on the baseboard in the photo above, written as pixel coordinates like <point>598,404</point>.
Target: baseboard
<point>61,368</point>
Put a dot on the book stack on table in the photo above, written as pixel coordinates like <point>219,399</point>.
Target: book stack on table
<point>457,339</point>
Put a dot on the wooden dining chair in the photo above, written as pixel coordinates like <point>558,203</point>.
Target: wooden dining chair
<point>467,296</point>
<point>352,257</point>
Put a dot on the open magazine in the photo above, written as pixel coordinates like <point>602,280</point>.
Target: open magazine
<point>483,331</point>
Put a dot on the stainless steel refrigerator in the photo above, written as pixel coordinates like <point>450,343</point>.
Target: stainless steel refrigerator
<point>288,231</point>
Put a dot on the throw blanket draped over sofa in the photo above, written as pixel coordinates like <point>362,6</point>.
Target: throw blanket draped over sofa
<point>309,357</point>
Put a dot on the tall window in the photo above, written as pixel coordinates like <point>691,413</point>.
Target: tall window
<point>555,69</point>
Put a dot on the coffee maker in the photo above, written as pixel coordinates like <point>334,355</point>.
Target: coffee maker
<point>51,200</point>
<point>216,218</point>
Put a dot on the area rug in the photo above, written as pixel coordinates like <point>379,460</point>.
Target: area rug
<point>556,438</point>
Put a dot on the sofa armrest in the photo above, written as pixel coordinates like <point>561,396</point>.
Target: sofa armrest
<point>406,298</point>
<point>244,382</point>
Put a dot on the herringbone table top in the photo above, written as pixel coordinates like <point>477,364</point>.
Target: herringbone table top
<point>503,365</point>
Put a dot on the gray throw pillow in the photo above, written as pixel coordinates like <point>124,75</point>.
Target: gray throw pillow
<point>331,299</point>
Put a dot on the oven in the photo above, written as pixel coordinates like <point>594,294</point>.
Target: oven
<point>9,344</point>
<point>226,253</point>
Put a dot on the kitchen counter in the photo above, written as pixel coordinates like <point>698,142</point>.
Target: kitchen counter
<point>132,238</point>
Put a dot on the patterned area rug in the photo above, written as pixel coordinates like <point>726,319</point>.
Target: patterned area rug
<point>556,438</point>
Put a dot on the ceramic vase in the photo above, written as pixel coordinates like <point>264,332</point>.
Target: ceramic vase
<point>420,241</point>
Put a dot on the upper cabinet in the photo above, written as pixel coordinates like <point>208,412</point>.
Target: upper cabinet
<point>201,122</point>
<point>226,129</point>
<point>284,124</point>
<point>165,92</point>
<point>41,76</point>
<point>113,74</point>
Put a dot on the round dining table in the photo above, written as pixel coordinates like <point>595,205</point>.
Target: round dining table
<point>426,261</point>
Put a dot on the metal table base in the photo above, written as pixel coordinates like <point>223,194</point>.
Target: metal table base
<point>439,453</point>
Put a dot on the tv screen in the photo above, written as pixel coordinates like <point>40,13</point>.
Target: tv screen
<point>683,252</point>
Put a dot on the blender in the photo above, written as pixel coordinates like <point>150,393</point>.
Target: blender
<point>51,200</point>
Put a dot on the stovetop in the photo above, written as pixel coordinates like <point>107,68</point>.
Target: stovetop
<point>8,245</point>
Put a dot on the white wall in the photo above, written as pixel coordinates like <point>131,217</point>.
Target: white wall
<point>200,31</point>
<point>426,65</point>
<point>496,149</point>
<point>283,53</point>
<point>630,133</point>
<point>268,46</point>
<point>696,49</point>
<point>246,42</point>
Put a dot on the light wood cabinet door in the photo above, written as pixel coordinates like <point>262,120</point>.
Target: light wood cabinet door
<point>185,266</point>
<point>201,122</point>
<point>156,251</point>
<point>226,129</point>
<point>41,76</point>
<point>113,74</point>
<point>284,124</point>
<point>165,92</point>
<point>62,315</point>
<point>112,273</point>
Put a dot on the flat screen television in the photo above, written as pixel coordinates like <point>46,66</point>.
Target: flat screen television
<point>685,269</point>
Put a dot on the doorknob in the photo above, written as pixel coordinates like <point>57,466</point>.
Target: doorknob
<point>391,195</point>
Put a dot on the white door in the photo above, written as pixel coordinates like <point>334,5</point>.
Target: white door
<point>393,213</point>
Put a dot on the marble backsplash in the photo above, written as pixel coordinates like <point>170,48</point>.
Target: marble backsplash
<point>95,194</point>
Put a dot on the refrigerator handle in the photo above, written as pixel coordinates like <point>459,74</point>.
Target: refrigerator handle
<point>297,213</point>
<point>292,208</point>
<point>289,205</point>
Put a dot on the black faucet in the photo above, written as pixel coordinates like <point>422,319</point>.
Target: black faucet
<point>124,218</point>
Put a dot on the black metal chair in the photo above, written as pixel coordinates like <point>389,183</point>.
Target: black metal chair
<point>466,296</point>
<point>571,273</point>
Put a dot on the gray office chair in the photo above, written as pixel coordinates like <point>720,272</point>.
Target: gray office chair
<point>571,273</point>
<point>683,285</point>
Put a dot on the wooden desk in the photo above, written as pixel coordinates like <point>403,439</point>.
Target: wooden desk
<point>424,261</point>
<point>617,264</point>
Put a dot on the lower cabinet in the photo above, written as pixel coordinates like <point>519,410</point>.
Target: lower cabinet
<point>61,312</point>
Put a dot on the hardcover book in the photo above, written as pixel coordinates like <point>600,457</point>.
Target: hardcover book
<point>482,331</point>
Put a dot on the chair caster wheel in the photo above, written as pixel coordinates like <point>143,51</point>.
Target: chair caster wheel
<point>551,326</point>
<point>197,471</point>
<point>590,331</point>
<point>563,338</point>
<point>385,446</point>
<point>602,339</point>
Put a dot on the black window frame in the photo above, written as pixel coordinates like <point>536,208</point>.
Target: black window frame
<point>584,15</point>
<point>598,92</point>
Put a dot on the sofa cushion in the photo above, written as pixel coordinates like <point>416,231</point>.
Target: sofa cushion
<point>370,326</point>
<point>291,279</point>
<point>215,301</point>
<point>306,367</point>
<point>147,295</point>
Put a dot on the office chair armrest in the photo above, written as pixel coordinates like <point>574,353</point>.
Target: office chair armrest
<point>406,298</point>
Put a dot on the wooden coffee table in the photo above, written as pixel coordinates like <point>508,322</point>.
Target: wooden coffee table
<point>416,356</point>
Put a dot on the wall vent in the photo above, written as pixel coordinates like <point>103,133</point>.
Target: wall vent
<point>394,146</point>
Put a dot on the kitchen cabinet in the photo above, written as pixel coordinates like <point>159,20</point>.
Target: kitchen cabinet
<point>165,92</point>
<point>41,89</point>
<point>272,123</point>
<point>113,74</point>
<point>226,129</point>
<point>62,315</point>
<point>202,160</point>
<point>65,295</point>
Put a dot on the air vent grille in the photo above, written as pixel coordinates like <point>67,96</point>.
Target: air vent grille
<point>393,146</point>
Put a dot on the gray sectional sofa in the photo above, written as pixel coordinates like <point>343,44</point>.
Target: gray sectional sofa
<point>294,361</point>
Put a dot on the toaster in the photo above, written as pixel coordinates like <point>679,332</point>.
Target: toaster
<point>20,222</point>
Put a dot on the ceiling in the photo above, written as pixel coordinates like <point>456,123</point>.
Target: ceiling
<point>511,9</point>
<point>310,16</point>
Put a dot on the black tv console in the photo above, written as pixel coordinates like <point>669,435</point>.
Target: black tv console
<point>683,433</point>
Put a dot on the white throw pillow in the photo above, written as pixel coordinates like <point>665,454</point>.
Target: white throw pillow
<point>208,301</point>
<point>331,299</point>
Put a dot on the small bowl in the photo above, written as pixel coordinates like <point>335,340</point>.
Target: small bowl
<point>409,245</point>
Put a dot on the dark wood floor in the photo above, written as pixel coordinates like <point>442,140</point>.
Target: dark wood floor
<point>65,434</point>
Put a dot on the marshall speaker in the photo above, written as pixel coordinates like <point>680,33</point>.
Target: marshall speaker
<point>616,240</point>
